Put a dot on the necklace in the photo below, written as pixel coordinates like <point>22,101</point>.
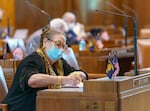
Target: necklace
<point>49,69</point>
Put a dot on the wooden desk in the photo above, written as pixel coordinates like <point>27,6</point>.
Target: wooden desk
<point>120,94</point>
<point>96,62</point>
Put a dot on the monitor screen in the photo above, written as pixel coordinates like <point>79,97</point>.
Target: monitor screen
<point>21,34</point>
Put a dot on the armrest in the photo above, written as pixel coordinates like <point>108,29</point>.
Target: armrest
<point>3,107</point>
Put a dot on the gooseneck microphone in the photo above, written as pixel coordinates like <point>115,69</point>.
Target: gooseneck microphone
<point>40,10</point>
<point>116,8</point>
<point>125,21</point>
<point>8,26</point>
<point>133,11</point>
<point>135,34</point>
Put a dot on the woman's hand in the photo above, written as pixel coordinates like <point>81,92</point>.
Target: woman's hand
<point>80,74</point>
<point>73,78</point>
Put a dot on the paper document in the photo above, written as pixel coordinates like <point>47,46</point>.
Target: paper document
<point>73,86</point>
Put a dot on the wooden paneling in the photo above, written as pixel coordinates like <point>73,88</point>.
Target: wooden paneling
<point>23,16</point>
<point>87,14</point>
<point>84,9</point>
<point>30,16</point>
<point>142,8</point>
<point>9,13</point>
<point>8,8</point>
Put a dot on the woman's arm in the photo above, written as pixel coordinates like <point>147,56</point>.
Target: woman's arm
<point>44,80</point>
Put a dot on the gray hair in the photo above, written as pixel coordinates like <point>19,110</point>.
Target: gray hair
<point>69,15</point>
<point>58,24</point>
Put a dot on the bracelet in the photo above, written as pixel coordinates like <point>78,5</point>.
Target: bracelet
<point>59,78</point>
<point>57,85</point>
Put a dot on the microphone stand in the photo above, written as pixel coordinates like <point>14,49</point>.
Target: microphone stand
<point>125,21</point>
<point>37,8</point>
<point>133,11</point>
<point>8,27</point>
<point>135,34</point>
<point>7,49</point>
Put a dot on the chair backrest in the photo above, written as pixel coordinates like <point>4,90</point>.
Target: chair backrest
<point>144,33</point>
<point>143,52</point>
<point>3,85</point>
<point>75,48</point>
<point>70,57</point>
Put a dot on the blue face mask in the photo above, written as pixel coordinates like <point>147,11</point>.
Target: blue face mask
<point>54,53</point>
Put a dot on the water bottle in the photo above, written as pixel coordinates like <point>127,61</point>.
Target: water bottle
<point>82,45</point>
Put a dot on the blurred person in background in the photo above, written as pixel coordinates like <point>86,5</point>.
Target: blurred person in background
<point>68,55</point>
<point>33,41</point>
<point>97,37</point>
<point>76,31</point>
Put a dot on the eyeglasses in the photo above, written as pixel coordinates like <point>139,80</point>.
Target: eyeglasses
<point>59,44</point>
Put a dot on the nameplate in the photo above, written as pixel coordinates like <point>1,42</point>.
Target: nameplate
<point>141,81</point>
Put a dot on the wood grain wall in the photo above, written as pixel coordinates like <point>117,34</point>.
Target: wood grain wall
<point>23,15</point>
<point>31,17</point>
<point>8,13</point>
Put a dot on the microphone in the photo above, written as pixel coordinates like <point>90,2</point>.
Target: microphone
<point>40,10</point>
<point>133,11</point>
<point>125,21</point>
<point>135,33</point>
<point>8,26</point>
<point>113,6</point>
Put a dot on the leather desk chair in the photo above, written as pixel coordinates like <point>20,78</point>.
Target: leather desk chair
<point>143,53</point>
<point>3,90</point>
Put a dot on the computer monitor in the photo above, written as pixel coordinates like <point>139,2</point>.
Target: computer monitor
<point>21,34</point>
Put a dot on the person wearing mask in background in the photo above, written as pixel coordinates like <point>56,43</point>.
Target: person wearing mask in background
<point>98,36</point>
<point>42,69</point>
<point>33,41</point>
<point>76,30</point>
<point>59,24</point>
<point>68,55</point>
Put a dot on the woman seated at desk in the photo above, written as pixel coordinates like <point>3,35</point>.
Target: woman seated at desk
<point>42,69</point>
